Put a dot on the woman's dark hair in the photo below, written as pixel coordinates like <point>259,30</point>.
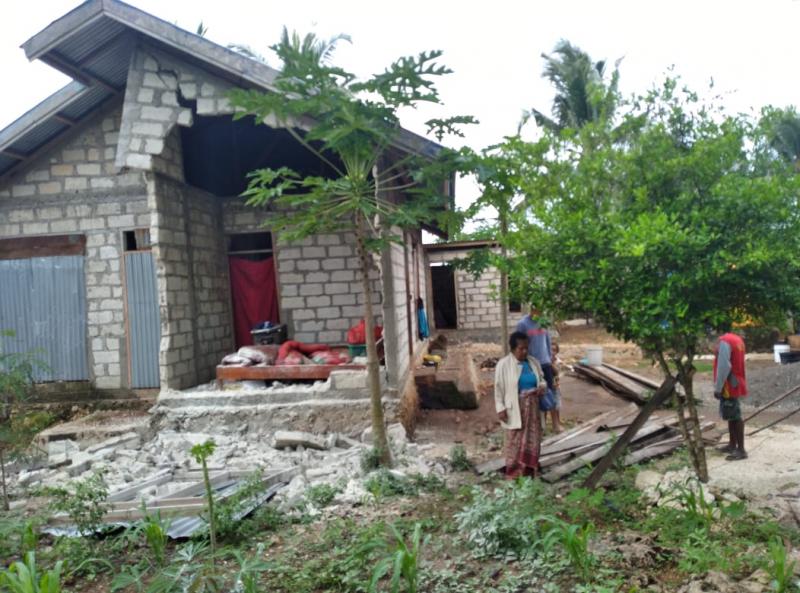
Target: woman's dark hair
<point>516,338</point>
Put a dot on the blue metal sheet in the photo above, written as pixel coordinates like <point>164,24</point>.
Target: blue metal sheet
<point>144,319</point>
<point>43,300</point>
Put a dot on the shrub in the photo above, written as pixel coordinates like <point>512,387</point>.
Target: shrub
<point>458,459</point>
<point>84,502</point>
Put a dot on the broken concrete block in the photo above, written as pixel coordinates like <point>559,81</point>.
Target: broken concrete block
<point>129,440</point>
<point>295,438</point>
<point>81,462</point>
<point>342,380</point>
<point>396,434</point>
<point>61,448</point>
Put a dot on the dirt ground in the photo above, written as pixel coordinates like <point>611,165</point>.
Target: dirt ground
<point>773,468</point>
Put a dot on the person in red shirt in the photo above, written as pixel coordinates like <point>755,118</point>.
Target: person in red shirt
<point>730,385</point>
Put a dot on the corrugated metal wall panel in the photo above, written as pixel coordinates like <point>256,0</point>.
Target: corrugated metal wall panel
<point>43,299</point>
<point>144,319</point>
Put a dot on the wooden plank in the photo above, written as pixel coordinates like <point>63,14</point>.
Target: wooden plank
<point>654,450</point>
<point>560,471</point>
<point>549,444</point>
<point>621,382</point>
<point>299,372</point>
<point>612,387</point>
<point>45,246</point>
<point>649,383</point>
<point>632,432</point>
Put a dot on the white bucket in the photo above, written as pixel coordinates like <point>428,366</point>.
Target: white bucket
<point>778,348</point>
<point>594,354</point>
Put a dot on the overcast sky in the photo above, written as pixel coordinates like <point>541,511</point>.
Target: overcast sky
<point>494,47</point>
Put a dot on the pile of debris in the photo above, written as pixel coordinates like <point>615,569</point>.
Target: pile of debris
<point>619,382</point>
<point>151,469</point>
<point>565,453</point>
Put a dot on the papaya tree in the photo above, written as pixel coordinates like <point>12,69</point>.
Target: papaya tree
<point>351,125</point>
<point>690,223</point>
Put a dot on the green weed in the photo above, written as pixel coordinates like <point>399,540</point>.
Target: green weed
<point>321,495</point>
<point>403,563</point>
<point>23,577</point>
<point>459,461</point>
<point>780,568</point>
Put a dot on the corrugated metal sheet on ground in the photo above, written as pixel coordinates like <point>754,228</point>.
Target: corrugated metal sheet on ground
<point>144,319</point>
<point>43,300</point>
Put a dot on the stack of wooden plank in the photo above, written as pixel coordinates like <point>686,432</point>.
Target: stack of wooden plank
<point>565,453</point>
<point>619,382</point>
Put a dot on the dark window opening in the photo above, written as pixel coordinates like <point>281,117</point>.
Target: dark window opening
<point>219,152</point>
<point>250,246</point>
<point>136,240</point>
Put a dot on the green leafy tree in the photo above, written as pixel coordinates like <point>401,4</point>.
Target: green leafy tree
<point>690,224</point>
<point>351,126</point>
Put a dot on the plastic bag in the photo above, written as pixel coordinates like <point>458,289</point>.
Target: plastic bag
<point>358,333</point>
<point>547,401</point>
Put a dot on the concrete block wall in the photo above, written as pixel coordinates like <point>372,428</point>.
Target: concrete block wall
<point>477,299</point>
<point>77,189</point>
<point>210,282</point>
<point>400,301</point>
<point>170,240</point>
<point>157,84</point>
<point>320,291</point>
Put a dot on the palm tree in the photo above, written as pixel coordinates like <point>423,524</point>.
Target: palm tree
<point>785,136</point>
<point>582,93</point>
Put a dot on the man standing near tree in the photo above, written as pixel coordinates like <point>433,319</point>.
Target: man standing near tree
<point>730,385</point>
<point>540,348</point>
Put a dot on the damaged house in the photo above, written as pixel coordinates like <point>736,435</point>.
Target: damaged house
<point>127,259</point>
<point>458,298</point>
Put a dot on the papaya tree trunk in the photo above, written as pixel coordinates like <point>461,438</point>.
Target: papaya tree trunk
<point>504,280</point>
<point>380,442</point>
<point>6,505</point>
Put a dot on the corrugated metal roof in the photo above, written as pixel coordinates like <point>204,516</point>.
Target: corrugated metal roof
<point>93,43</point>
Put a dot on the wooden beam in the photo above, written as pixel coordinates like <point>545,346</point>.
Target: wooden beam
<point>14,154</point>
<point>297,372</point>
<point>64,119</point>
<point>80,73</point>
<point>659,397</point>
<point>65,134</point>
<point>44,246</point>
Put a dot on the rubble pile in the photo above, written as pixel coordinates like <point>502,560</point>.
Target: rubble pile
<point>124,460</point>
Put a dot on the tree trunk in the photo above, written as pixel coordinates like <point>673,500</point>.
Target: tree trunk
<point>504,281</point>
<point>686,379</point>
<point>659,397</point>
<point>379,440</point>
<point>6,506</point>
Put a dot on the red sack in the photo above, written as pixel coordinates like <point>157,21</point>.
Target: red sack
<point>289,345</point>
<point>358,333</point>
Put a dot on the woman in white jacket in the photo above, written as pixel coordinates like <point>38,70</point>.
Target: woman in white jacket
<point>518,385</point>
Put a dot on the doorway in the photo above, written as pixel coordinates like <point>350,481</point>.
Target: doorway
<point>443,283</point>
<point>142,310</point>
<point>254,290</point>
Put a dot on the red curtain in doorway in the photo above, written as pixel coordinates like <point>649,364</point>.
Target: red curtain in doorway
<point>254,296</point>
